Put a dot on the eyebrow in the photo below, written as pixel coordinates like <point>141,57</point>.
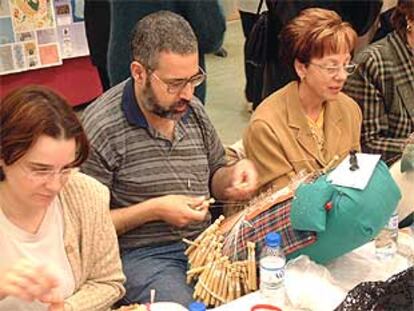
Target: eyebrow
<point>37,164</point>
<point>183,79</point>
<point>337,62</point>
<point>48,166</point>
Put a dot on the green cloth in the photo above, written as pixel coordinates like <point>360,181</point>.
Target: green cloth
<point>355,218</point>
<point>308,207</point>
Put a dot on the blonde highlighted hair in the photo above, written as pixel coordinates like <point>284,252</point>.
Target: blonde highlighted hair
<point>315,33</point>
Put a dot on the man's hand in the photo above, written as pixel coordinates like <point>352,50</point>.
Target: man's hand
<point>243,180</point>
<point>181,210</point>
<point>28,281</point>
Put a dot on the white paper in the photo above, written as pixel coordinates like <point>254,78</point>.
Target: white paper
<point>358,179</point>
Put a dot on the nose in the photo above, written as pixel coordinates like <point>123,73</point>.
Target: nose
<point>342,74</point>
<point>187,92</point>
<point>54,183</point>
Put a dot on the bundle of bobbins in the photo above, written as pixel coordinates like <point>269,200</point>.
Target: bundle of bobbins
<point>218,280</point>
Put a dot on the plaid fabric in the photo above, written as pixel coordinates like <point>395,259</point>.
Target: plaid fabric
<point>383,86</point>
<point>276,219</point>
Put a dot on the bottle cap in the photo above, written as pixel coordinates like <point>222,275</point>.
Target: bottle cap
<point>197,306</point>
<point>273,239</point>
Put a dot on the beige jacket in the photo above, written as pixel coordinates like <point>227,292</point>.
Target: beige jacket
<point>91,245</point>
<point>279,141</point>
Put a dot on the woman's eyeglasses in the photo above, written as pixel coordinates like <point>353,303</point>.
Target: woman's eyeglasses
<point>335,70</point>
<point>44,174</point>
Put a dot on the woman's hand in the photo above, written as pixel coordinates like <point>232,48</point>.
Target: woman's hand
<point>29,281</point>
<point>54,299</point>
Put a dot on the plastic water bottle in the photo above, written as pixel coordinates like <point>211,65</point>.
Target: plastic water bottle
<point>386,241</point>
<point>272,269</point>
<point>197,306</point>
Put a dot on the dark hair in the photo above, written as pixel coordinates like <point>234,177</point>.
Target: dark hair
<point>32,111</point>
<point>162,31</point>
<point>403,11</point>
<point>313,33</point>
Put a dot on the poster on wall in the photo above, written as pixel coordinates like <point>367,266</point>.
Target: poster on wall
<point>40,33</point>
<point>71,28</point>
<point>28,35</point>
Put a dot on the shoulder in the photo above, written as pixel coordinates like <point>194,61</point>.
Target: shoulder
<point>347,105</point>
<point>377,54</point>
<point>84,194</point>
<point>106,107</point>
<point>200,112</point>
<point>104,117</point>
<point>273,107</point>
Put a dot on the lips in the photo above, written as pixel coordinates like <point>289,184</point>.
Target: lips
<point>335,89</point>
<point>181,107</point>
<point>45,197</point>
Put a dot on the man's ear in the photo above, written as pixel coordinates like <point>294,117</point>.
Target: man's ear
<point>301,69</point>
<point>138,72</point>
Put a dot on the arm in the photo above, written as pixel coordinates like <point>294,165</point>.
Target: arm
<point>185,210</point>
<point>265,150</point>
<point>104,277</point>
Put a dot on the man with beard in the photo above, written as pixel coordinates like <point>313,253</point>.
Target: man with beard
<point>155,148</point>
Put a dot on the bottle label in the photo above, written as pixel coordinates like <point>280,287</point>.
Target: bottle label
<point>272,271</point>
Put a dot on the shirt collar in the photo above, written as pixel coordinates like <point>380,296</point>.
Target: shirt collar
<point>132,110</point>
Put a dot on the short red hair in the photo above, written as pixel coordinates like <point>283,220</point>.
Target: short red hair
<point>315,33</point>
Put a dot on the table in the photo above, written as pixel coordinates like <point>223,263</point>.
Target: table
<point>346,271</point>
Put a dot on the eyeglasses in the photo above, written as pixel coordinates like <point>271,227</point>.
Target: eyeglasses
<point>177,85</point>
<point>334,70</point>
<point>44,175</point>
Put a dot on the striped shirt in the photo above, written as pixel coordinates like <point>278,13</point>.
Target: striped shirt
<point>137,163</point>
<point>383,86</point>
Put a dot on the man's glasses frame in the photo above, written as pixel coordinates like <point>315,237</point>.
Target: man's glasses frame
<point>175,86</point>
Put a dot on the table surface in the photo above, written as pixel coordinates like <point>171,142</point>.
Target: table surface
<point>346,271</point>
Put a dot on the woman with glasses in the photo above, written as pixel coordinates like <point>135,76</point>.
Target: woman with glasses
<point>58,245</point>
<point>309,123</point>
<point>383,86</point>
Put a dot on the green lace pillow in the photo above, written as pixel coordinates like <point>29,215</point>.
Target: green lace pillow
<point>355,218</point>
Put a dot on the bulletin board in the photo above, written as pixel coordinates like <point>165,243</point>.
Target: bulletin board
<point>40,33</point>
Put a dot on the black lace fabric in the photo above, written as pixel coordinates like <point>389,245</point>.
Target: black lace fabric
<point>395,294</point>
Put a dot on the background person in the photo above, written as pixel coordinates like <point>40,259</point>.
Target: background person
<point>383,86</point>
<point>205,17</point>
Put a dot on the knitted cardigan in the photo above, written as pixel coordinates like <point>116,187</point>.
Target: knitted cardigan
<point>91,245</point>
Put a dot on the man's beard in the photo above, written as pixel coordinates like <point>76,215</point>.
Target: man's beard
<point>151,104</point>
